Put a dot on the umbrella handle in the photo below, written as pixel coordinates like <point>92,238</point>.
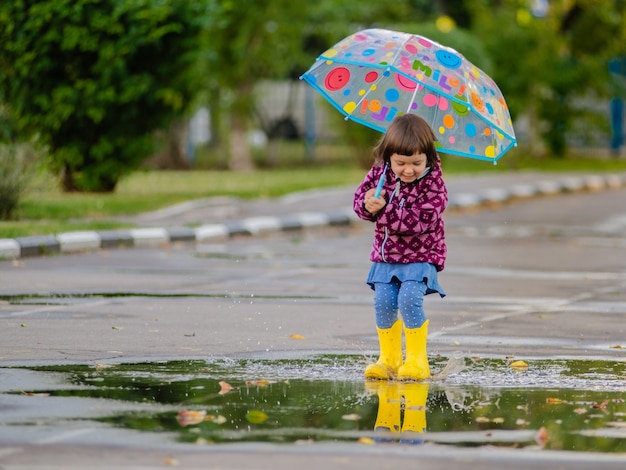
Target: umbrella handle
<point>381,183</point>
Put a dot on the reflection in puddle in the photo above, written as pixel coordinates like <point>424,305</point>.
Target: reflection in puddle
<point>554,404</point>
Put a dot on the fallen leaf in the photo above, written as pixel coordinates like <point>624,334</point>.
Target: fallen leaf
<point>171,461</point>
<point>295,336</point>
<point>256,417</point>
<point>23,325</point>
<point>219,419</point>
<point>521,422</point>
<point>366,440</point>
<point>34,394</point>
<point>117,327</point>
<point>518,365</point>
<point>301,442</point>
<point>580,411</point>
<point>541,438</point>
<point>497,420</point>
<point>100,365</point>
<point>482,419</point>
<point>601,406</point>
<point>258,383</point>
<point>226,387</point>
<point>553,401</point>
<point>188,417</point>
<point>351,417</point>
<point>618,346</point>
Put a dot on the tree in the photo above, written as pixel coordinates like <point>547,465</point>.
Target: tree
<point>95,78</point>
<point>543,64</point>
<point>248,41</point>
<point>254,40</point>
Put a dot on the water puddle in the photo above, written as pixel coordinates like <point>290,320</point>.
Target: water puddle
<point>575,405</point>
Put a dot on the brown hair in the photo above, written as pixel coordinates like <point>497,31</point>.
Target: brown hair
<point>406,135</point>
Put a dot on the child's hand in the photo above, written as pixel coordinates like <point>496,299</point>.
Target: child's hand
<point>373,204</point>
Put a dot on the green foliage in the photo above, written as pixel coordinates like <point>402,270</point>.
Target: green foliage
<point>16,166</point>
<point>95,78</point>
<point>545,65</point>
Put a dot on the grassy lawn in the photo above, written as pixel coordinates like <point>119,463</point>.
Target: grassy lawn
<point>46,210</point>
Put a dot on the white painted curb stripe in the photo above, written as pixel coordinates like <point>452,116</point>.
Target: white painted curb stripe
<point>312,219</point>
<point>9,248</point>
<point>205,232</point>
<point>79,241</point>
<point>261,224</point>
<point>149,236</point>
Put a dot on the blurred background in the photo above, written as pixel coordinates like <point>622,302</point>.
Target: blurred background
<point>93,92</point>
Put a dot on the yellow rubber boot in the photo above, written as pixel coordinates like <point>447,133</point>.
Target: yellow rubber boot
<point>390,341</point>
<point>389,408</point>
<point>415,395</point>
<point>415,366</point>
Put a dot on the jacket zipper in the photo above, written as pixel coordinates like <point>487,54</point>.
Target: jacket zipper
<point>382,246</point>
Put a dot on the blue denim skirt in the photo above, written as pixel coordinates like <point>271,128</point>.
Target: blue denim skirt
<point>422,272</point>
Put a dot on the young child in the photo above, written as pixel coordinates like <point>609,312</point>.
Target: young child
<point>409,243</point>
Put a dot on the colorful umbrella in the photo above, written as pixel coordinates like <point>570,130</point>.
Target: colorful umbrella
<point>376,74</point>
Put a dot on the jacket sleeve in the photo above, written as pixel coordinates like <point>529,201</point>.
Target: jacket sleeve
<point>408,215</point>
<point>368,183</point>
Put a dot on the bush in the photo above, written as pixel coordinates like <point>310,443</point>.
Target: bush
<point>16,163</point>
<point>95,78</point>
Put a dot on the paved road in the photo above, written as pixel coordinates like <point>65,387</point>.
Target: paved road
<point>531,278</point>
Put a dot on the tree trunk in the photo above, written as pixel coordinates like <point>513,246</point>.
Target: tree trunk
<point>240,157</point>
<point>173,154</point>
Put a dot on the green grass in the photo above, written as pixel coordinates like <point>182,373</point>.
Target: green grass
<point>46,210</point>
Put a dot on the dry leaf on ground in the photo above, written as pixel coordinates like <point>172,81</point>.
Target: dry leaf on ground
<point>188,417</point>
<point>225,388</point>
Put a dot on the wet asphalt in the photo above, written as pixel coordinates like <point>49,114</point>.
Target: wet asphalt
<point>536,268</point>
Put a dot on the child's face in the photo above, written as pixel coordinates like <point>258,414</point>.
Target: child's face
<point>408,168</point>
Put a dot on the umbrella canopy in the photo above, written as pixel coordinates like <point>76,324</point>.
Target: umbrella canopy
<point>376,74</point>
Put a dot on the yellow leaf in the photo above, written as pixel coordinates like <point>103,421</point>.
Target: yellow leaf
<point>295,336</point>
<point>259,383</point>
<point>482,419</point>
<point>117,327</point>
<point>366,440</point>
<point>553,401</point>
<point>351,417</point>
<point>617,346</point>
<point>518,365</point>
<point>497,420</point>
<point>256,417</point>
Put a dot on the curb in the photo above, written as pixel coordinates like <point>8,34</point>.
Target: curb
<point>541,188</point>
<point>72,242</point>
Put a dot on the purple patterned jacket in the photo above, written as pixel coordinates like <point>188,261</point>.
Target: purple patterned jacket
<point>410,227</point>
